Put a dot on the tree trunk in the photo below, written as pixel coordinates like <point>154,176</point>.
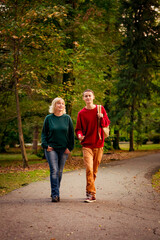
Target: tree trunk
<point>131,148</point>
<point>131,142</point>
<point>21,138</point>
<point>15,79</point>
<point>35,139</point>
<point>2,146</point>
<point>68,76</point>
<point>116,140</point>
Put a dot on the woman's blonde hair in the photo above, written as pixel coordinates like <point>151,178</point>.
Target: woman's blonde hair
<point>52,107</point>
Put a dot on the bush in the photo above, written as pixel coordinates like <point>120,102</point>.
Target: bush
<point>140,138</point>
<point>155,138</point>
<point>145,140</point>
<point>123,139</point>
<point>107,145</point>
<point>40,153</point>
<point>77,143</point>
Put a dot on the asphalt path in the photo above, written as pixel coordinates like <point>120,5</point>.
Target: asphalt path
<point>127,207</point>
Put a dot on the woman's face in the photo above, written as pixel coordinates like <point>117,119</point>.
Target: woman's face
<point>59,106</point>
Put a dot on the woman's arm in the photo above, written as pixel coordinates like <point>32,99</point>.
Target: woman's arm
<point>44,134</point>
<point>70,135</point>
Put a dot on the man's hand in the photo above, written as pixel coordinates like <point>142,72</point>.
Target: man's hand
<point>80,137</point>
<point>100,115</point>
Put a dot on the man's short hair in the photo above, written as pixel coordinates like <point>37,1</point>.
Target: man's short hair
<point>88,90</point>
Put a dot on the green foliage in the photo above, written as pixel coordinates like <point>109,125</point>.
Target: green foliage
<point>137,59</point>
<point>155,138</point>
<point>64,47</point>
<point>33,27</point>
<point>139,51</point>
<point>40,153</point>
<point>107,145</point>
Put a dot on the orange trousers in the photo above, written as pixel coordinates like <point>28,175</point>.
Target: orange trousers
<point>92,158</point>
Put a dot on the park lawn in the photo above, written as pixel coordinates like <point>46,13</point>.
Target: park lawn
<point>156,181</point>
<point>16,156</point>
<point>125,146</point>
<point>10,181</point>
<point>12,174</point>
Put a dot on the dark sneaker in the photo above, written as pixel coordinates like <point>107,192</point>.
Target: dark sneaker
<point>55,199</point>
<point>90,199</point>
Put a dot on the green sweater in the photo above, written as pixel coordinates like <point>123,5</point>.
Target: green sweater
<point>58,132</point>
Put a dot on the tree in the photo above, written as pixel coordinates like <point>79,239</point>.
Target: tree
<point>138,57</point>
<point>29,39</point>
<point>7,114</point>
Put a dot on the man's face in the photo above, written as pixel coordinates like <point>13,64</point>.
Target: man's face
<point>88,97</point>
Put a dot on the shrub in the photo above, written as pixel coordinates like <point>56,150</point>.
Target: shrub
<point>40,153</point>
<point>123,139</point>
<point>107,145</point>
<point>155,138</point>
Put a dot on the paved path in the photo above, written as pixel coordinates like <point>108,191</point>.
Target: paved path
<point>127,207</point>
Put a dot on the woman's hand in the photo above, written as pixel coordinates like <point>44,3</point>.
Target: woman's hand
<point>49,149</point>
<point>67,151</point>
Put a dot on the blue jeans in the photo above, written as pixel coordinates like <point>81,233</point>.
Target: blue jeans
<point>56,160</point>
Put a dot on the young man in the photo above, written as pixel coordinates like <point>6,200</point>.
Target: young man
<point>90,133</point>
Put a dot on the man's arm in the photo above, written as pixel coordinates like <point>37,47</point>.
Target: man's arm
<point>104,120</point>
<point>79,128</point>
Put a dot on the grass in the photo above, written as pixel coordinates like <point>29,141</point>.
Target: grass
<point>16,156</point>
<point>13,160</point>
<point>13,176</point>
<point>145,147</point>
<point>13,180</point>
<point>156,181</point>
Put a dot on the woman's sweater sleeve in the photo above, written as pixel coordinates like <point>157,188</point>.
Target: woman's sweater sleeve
<point>44,134</point>
<point>71,135</point>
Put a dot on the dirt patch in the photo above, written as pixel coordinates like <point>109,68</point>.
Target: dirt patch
<point>121,155</point>
<point>19,168</point>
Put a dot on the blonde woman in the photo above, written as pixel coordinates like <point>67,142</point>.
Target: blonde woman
<point>57,141</point>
